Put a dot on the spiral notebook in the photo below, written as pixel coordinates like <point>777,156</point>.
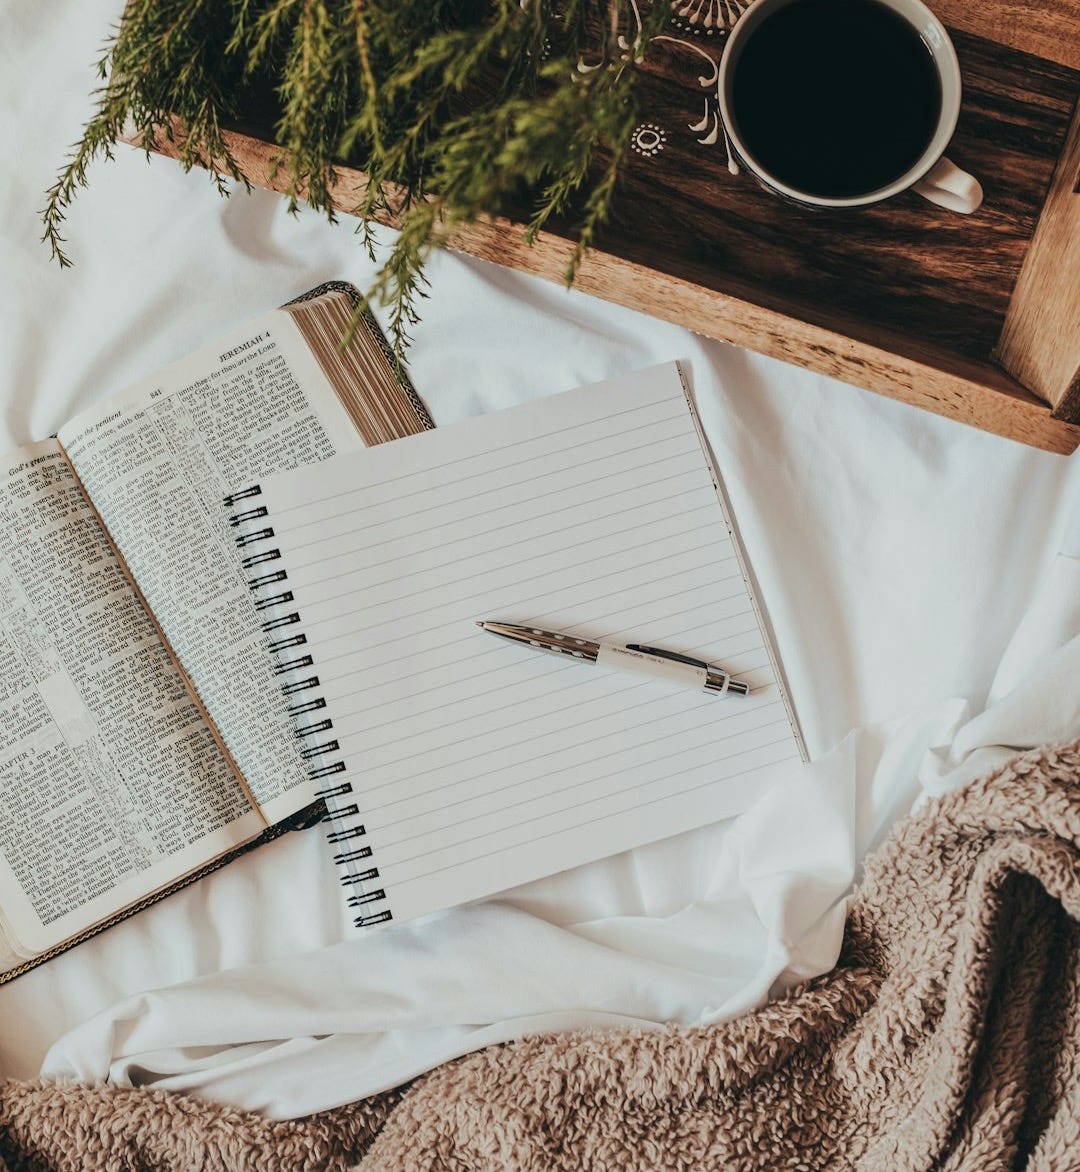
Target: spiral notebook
<point>456,765</point>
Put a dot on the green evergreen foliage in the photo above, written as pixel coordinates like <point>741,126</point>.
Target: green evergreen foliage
<point>451,107</point>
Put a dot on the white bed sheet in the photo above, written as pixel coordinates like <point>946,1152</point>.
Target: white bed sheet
<point>923,579</point>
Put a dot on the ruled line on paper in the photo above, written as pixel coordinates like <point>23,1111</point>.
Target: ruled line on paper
<point>491,534</point>
<point>458,859</point>
<point>314,501</point>
<point>621,790</point>
<point>645,700</point>
<point>498,661</point>
<point>457,640</point>
<point>403,771</point>
<point>539,555</point>
<point>494,709</point>
<point>541,476</point>
<point>345,631</point>
<point>631,528</point>
<point>662,738</point>
<point>506,600</point>
<point>728,658</point>
<point>520,603</point>
<point>621,798</point>
<point>468,601</point>
<point>489,531</point>
<point>587,723</point>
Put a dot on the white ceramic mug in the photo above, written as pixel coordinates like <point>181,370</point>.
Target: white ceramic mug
<point>932,175</point>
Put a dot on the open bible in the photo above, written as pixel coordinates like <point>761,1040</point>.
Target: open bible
<point>143,738</point>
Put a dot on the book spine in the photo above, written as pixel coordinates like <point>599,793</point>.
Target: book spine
<point>268,580</point>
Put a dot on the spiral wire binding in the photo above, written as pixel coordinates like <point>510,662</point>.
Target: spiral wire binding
<point>299,685</point>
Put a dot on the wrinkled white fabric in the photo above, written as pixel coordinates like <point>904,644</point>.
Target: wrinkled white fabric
<point>921,577</point>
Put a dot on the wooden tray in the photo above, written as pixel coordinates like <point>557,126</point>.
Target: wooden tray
<point>973,317</point>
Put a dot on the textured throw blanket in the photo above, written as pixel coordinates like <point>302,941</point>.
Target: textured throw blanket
<point>947,1037</point>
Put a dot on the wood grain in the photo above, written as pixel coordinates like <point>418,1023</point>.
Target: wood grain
<point>1040,343</point>
<point>902,297</point>
<point>979,395</point>
<point>921,271</point>
<point>1046,28</point>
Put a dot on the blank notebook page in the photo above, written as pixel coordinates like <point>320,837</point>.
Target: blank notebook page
<point>477,764</point>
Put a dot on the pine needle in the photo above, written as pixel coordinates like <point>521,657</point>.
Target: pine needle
<point>452,108</point>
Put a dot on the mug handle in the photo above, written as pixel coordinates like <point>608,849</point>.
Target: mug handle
<point>949,187</point>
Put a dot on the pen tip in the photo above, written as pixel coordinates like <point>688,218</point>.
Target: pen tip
<point>479,623</point>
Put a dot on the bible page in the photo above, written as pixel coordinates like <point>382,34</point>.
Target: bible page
<point>156,461</point>
<point>476,764</point>
<point>111,782</point>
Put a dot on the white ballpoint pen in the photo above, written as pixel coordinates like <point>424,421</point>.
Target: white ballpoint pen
<point>650,661</point>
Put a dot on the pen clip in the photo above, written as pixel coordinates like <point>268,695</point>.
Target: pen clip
<point>674,656</point>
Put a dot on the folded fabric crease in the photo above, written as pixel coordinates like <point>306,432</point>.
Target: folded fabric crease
<point>946,1037</point>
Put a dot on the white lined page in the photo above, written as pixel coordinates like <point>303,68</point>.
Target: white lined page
<point>477,764</point>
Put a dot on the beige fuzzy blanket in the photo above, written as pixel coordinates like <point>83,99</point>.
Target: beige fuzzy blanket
<point>947,1037</point>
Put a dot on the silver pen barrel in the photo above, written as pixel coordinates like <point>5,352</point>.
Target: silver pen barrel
<point>553,642</point>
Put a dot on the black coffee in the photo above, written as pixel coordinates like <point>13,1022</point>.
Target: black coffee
<point>835,97</point>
